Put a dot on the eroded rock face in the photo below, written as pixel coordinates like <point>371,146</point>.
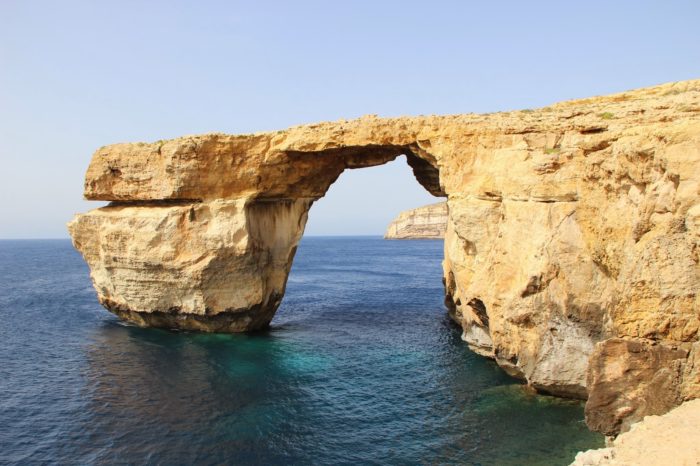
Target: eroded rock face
<point>630,379</point>
<point>218,266</point>
<point>571,228</point>
<point>427,222</point>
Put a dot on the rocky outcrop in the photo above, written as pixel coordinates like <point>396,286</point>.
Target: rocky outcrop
<point>571,250</point>
<point>671,439</point>
<point>427,222</point>
<point>629,379</point>
<point>218,266</point>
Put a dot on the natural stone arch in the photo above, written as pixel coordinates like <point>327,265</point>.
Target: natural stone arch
<point>572,237</point>
<point>217,264</point>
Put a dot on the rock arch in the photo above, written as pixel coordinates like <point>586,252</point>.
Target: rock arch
<point>572,239</point>
<point>202,230</point>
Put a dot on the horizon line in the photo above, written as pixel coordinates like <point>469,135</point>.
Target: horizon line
<point>55,238</point>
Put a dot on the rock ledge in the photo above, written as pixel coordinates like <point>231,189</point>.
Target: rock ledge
<point>669,440</point>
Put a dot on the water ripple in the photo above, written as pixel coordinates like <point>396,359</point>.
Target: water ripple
<point>361,366</point>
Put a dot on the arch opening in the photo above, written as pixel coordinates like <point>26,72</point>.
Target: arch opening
<point>364,201</point>
<point>311,173</point>
<point>277,225</point>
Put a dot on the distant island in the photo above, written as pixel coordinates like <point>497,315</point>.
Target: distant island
<point>427,222</point>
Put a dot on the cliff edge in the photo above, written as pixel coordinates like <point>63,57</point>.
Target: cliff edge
<point>669,440</point>
<point>427,222</point>
<point>572,249</point>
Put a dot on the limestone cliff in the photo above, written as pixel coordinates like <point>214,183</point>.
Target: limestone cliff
<point>429,221</point>
<point>571,250</point>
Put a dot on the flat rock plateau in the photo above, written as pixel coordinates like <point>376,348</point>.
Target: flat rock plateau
<point>571,249</point>
<point>670,439</point>
<point>427,222</point>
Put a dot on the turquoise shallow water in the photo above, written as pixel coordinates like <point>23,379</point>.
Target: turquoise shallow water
<point>360,366</point>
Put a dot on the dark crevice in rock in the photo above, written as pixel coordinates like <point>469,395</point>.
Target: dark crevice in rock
<point>593,130</point>
<point>155,203</point>
<point>480,310</point>
<point>426,173</point>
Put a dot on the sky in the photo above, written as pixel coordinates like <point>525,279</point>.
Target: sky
<point>76,75</point>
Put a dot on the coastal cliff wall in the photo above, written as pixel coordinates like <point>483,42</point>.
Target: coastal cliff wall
<point>571,249</point>
<point>429,221</point>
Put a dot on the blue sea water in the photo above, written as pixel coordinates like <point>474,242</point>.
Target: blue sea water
<point>360,366</point>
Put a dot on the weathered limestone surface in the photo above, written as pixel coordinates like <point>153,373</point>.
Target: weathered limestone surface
<point>629,379</point>
<point>429,221</point>
<point>214,266</point>
<point>671,439</point>
<point>571,250</point>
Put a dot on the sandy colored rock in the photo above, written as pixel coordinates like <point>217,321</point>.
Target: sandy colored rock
<point>213,266</point>
<point>669,440</point>
<point>629,379</point>
<point>427,222</point>
<point>568,226</point>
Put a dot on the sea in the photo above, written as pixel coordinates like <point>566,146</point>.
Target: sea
<point>360,366</point>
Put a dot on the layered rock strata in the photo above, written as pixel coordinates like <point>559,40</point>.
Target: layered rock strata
<point>427,222</point>
<point>571,250</point>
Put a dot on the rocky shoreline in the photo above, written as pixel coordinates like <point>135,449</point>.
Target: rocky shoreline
<point>571,248</point>
<point>670,439</point>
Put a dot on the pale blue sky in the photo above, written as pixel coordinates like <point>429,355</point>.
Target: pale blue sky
<point>75,75</point>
